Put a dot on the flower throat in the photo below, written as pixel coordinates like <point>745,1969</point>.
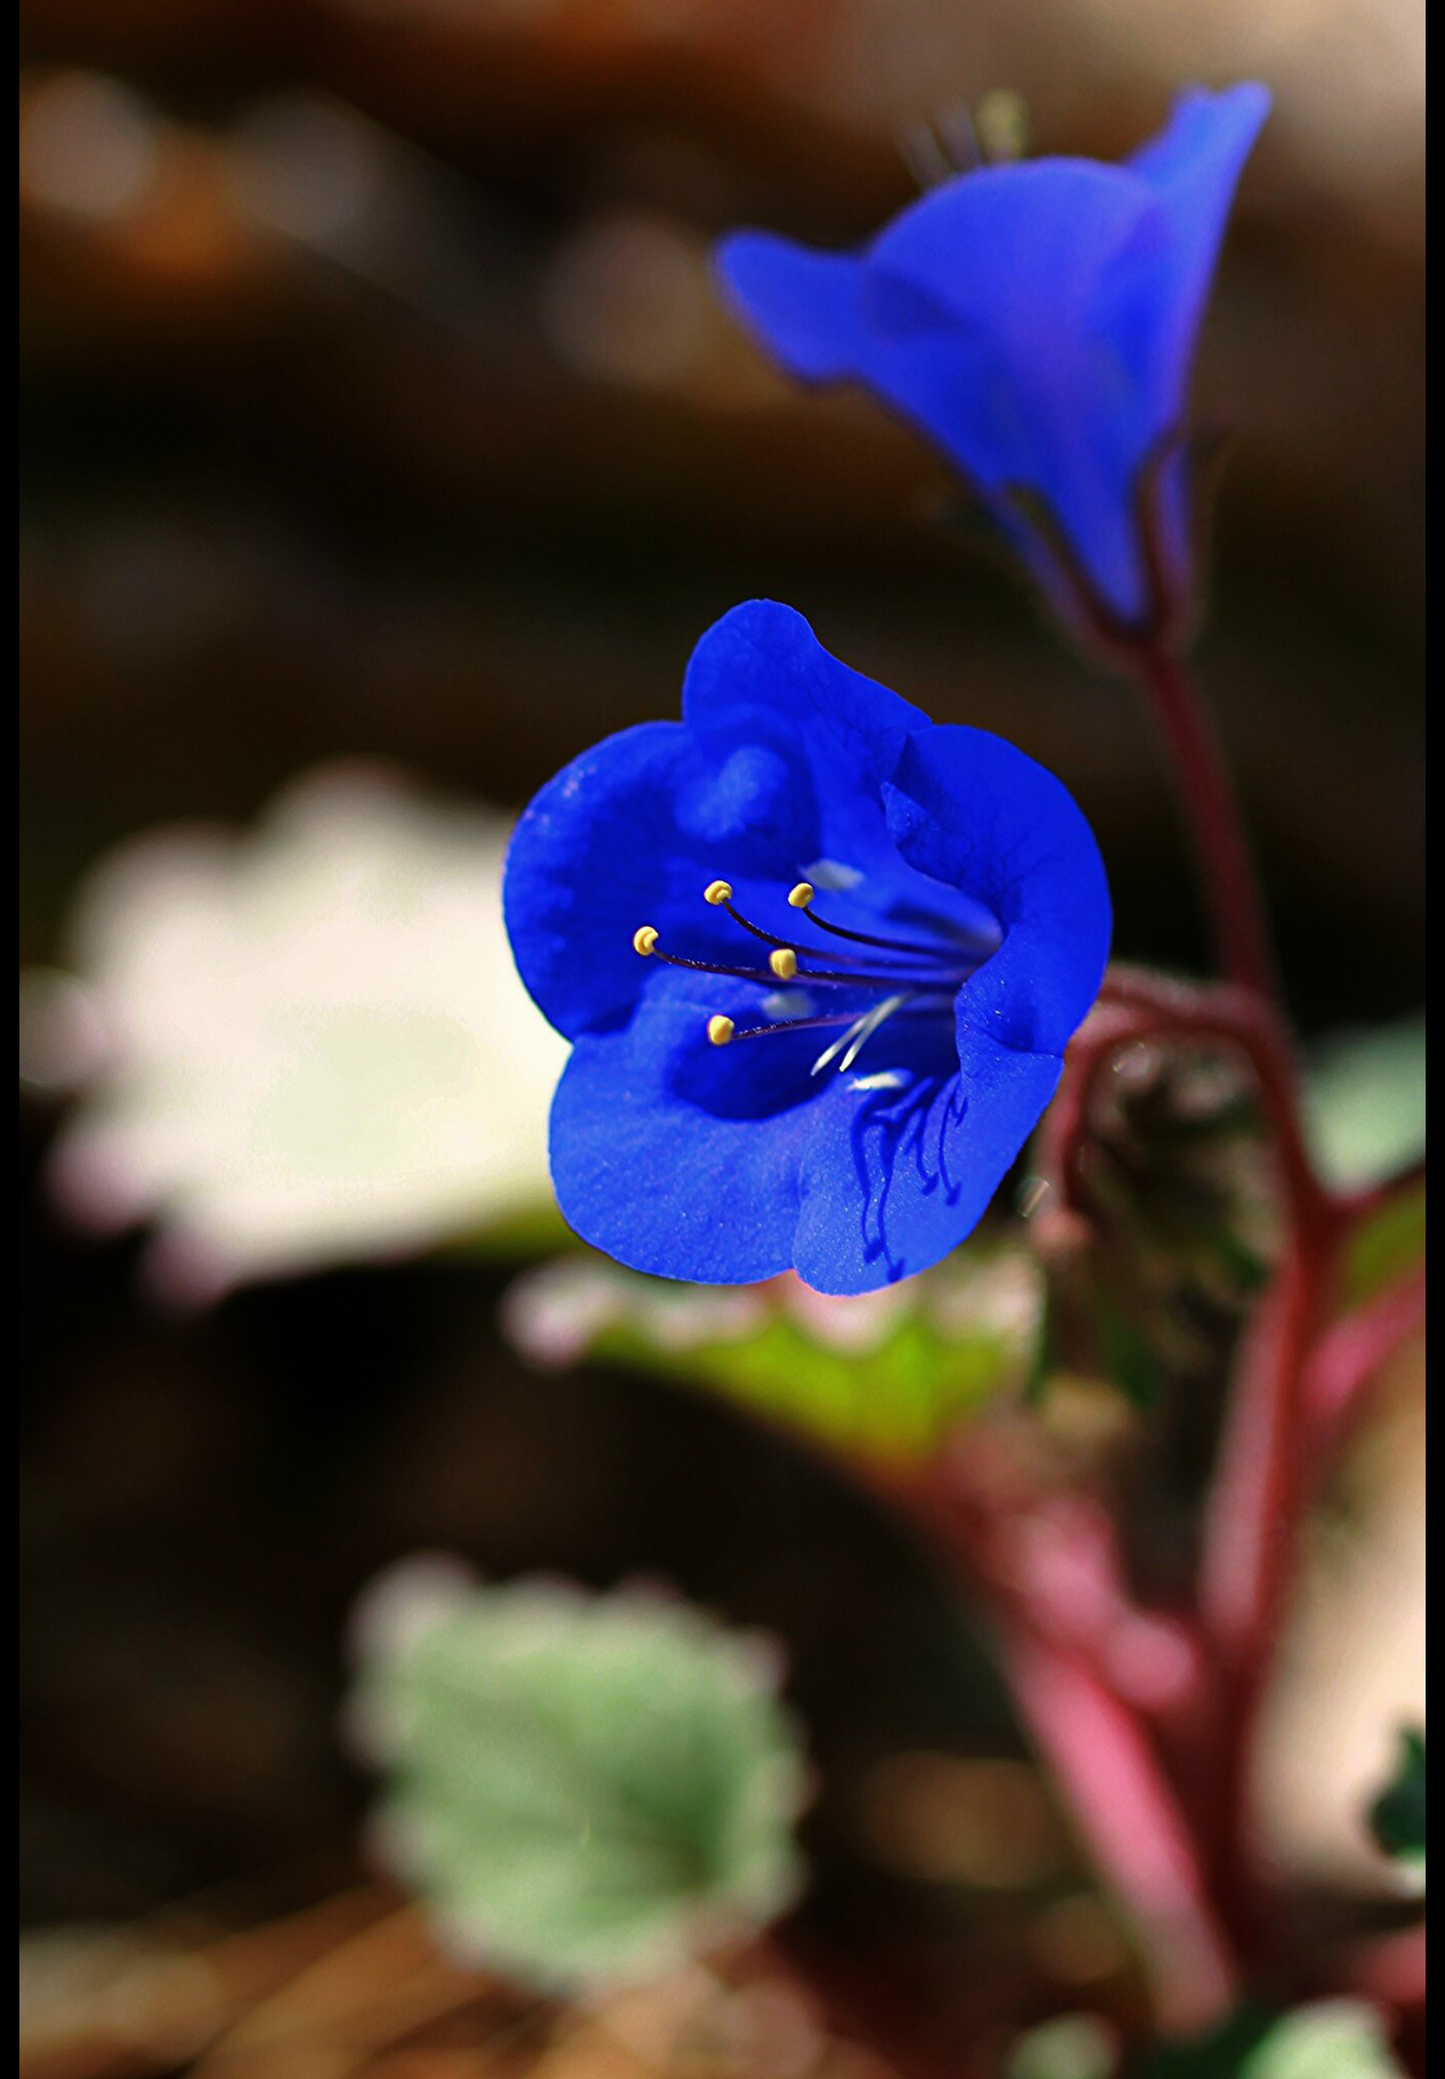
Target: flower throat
<point>909,978</point>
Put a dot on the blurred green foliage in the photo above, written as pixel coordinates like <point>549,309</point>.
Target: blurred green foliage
<point>884,1375</point>
<point>583,1789</point>
<point>1075,2046</point>
<point>1386,1244</point>
<point>1365,1104</point>
<point>1338,2039</point>
<point>1397,1817</point>
<point>1333,2039</point>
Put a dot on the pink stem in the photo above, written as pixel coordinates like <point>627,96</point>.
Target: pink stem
<point>1261,1487</point>
<point>1391,1969</point>
<point>1250,1536</point>
<point>1256,1484</point>
<point>1350,1354</point>
<point>1131,1822</point>
<point>1055,1600</point>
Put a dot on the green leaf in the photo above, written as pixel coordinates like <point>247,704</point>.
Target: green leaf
<point>884,1374</point>
<point>1389,1242</point>
<point>1397,1817</point>
<point>1075,2046</point>
<point>1334,2039</point>
<point>1365,1104</point>
<point>583,1789</point>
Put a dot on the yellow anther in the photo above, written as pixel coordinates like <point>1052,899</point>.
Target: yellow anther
<point>801,896</point>
<point>784,963</point>
<point>644,939</point>
<point>718,892</point>
<point>720,1030</point>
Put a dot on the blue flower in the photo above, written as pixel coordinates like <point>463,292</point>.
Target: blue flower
<point>1038,322</point>
<point>864,942</point>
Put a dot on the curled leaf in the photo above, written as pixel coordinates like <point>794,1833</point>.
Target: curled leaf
<point>883,1373</point>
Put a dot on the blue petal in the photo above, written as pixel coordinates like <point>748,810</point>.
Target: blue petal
<point>777,766</point>
<point>804,303</point>
<point>1037,393</point>
<point>725,1166</point>
<point>1192,168</point>
<point>1002,247</point>
<point>765,656</point>
<point>631,833</point>
<point>896,1178</point>
<point>663,1182</point>
<point>761,675</point>
<point>972,810</point>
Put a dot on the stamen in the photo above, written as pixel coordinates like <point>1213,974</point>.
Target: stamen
<point>644,939</point>
<point>907,1007</point>
<point>784,963</point>
<point>888,945</point>
<point>790,1025</point>
<point>720,1030</point>
<point>797,946</point>
<point>835,978</point>
<point>801,897</point>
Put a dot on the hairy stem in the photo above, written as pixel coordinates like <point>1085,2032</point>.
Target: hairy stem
<point>1140,1007</point>
<point>1262,1482</point>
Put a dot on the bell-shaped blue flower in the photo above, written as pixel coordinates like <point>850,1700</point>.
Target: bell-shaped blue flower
<point>1038,322</point>
<point>818,958</point>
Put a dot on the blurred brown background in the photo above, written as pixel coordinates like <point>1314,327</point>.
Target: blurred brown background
<point>375,399</point>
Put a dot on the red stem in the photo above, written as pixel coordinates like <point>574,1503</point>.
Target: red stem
<point>1060,1609</point>
<point>1261,1483</point>
<point>1231,886</point>
<point>1147,1007</point>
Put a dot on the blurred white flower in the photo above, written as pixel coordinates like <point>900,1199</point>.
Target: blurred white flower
<point>316,1047</point>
